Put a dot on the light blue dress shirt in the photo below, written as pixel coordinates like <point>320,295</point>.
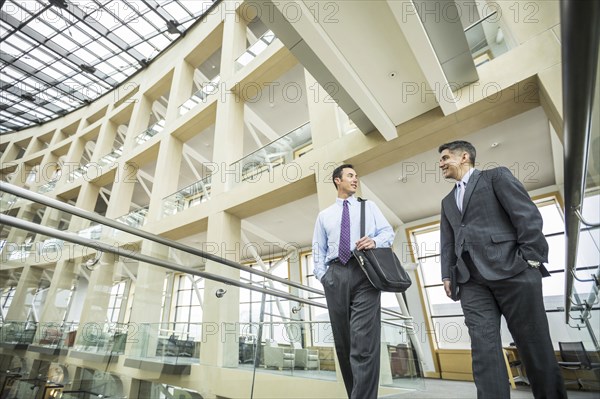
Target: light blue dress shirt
<point>326,237</point>
<point>465,181</point>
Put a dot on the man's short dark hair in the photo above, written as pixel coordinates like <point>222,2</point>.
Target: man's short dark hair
<point>460,145</point>
<point>337,172</point>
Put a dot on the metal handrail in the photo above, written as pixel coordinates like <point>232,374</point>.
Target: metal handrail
<point>53,203</point>
<point>100,246</point>
<point>73,238</point>
<point>579,215</point>
<point>580,34</point>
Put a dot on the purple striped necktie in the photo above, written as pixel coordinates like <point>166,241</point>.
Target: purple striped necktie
<point>344,252</point>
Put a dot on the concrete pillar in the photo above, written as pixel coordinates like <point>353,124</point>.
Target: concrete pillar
<point>105,141</point>
<point>138,122</point>
<point>122,192</point>
<point>323,114</point>
<point>72,161</point>
<point>229,126</point>
<point>165,183</point>
<point>95,305</point>
<point>88,195</point>
<point>147,304</point>
<point>16,237</point>
<point>26,288</point>
<point>10,153</point>
<point>181,88</point>
<point>56,304</point>
<point>48,169</point>
<point>220,329</point>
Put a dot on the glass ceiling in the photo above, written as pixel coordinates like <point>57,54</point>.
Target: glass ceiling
<point>59,55</point>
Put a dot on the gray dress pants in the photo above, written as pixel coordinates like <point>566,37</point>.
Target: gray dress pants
<point>355,314</point>
<point>519,299</point>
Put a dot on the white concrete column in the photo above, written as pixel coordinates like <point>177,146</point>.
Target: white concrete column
<point>21,303</point>
<point>122,192</point>
<point>55,306</point>
<point>138,122</point>
<point>165,180</point>
<point>105,141</point>
<point>88,195</point>
<point>221,315</point>
<point>181,89</point>
<point>229,125</point>
<point>147,302</point>
<point>72,160</point>
<point>323,114</point>
<point>95,305</point>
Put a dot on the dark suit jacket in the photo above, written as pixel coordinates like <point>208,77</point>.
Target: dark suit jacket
<point>500,227</point>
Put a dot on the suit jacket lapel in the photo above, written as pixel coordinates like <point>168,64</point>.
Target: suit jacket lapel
<point>451,204</point>
<point>470,188</point>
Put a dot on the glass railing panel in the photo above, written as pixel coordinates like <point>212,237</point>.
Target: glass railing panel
<point>279,152</point>
<point>57,335</point>
<point>18,332</point>
<point>27,389</point>
<point>200,96</point>
<point>102,338</point>
<point>167,343</point>
<point>77,173</point>
<point>254,50</point>
<point>81,395</point>
<point>47,187</point>
<point>7,201</point>
<point>187,197</point>
<point>299,348</point>
<point>486,39</point>
<point>401,367</point>
<point>591,201</point>
<point>587,270</point>
<point>285,346</point>
<point>110,158</point>
<point>40,248</point>
<point>19,252</point>
<point>136,218</point>
<point>152,131</point>
<point>93,232</point>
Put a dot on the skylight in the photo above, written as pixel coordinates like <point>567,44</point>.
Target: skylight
<point>56,59</point>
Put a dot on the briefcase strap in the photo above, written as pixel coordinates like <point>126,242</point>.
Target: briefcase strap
<point>362,216</point>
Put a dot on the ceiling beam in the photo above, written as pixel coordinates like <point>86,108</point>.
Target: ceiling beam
<point>314,48</point>
<point>408,19</point>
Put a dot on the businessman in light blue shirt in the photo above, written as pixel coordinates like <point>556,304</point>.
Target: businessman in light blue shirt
<point>354,304</point>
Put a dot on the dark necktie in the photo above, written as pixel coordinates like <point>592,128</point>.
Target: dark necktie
<point>461,195</point>
<point>344,252</point>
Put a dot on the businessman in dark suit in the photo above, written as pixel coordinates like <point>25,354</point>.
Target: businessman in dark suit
<point>494,248</point>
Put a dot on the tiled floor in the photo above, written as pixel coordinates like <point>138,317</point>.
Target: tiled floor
<point>444,389</point>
